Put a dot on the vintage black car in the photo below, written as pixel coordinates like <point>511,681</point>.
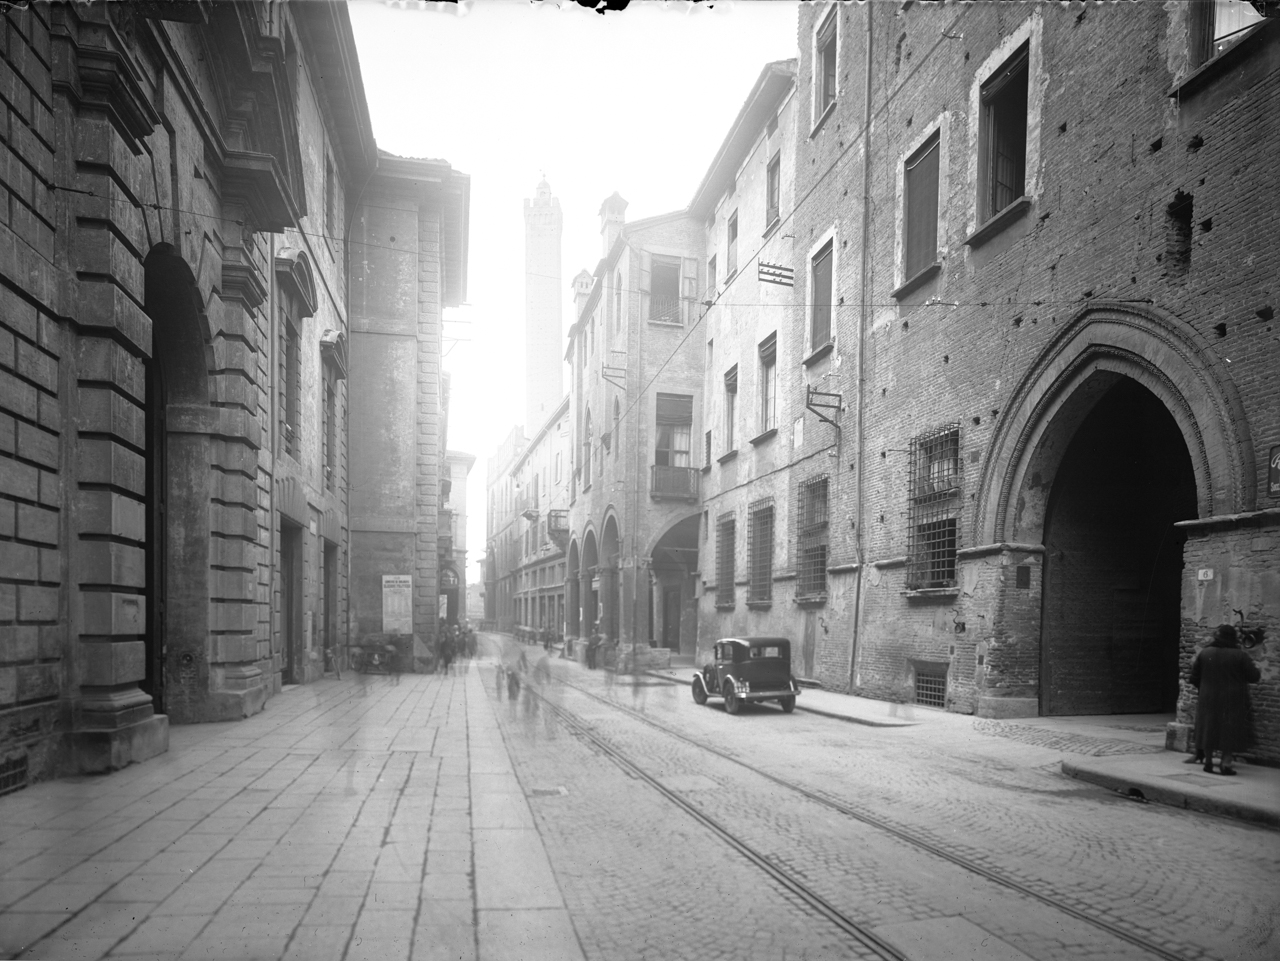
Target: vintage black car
<point>748,669</point>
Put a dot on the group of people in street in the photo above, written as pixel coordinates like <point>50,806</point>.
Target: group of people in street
<point>453,642</point>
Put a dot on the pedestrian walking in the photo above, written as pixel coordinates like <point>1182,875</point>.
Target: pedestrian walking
<point>1222,673</point>
<point>447,651</point>
<point>593,648</point>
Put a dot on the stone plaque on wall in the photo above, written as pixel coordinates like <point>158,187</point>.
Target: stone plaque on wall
<point>397,604</point>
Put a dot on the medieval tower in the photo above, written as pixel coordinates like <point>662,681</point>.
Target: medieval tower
<point>544,349</point>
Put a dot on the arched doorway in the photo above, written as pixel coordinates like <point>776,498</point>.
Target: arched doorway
<point>176,490</point>
<point>590,585</point>
<point>673,613</point>
<point>1113,560</point>
<point>610,582</point>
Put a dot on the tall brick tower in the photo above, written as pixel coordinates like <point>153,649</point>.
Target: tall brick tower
<point>543,355</point>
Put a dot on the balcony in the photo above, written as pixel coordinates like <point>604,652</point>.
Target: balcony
<point>558,528</point>
<point>664,310</point>
<point>674,483</point>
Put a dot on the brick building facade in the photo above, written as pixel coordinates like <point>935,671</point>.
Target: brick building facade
<point>173,359</point>
<point>635,409</point>
<point>540,480</point>
<point>1053,337</point>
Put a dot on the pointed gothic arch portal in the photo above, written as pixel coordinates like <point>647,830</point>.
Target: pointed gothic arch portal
<point>1113,559</point>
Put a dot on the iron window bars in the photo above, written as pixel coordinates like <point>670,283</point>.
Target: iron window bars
<point>933,517</point>
<point>760,541</point>
<point>812,537</point>
<point>725,534</point>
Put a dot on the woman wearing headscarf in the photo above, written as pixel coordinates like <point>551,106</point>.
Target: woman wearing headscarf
<point>1222,673</point>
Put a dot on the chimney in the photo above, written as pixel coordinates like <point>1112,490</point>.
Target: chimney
<point>612,217</point>
<point>581,291</point>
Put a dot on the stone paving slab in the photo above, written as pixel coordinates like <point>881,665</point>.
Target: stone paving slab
<point>366,818</point>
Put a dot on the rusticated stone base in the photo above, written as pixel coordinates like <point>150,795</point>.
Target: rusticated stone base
<point>1003,707</point>
<point>90,752</point>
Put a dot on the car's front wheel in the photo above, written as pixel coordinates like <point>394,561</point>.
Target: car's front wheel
<point>731,703</point>
<point>699,691</point>
<point>788,703</point>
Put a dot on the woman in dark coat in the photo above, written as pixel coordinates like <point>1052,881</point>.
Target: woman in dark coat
<point>1222,673</point>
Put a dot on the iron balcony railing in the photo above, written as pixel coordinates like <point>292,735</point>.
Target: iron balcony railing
<point>665,310</point>
<point>674,482</point>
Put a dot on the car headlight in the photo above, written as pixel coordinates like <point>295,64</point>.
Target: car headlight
<point>746,687</point>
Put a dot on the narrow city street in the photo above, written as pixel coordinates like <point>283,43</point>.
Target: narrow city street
<point>435,817</point>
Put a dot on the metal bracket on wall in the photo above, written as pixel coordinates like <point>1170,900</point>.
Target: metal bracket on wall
<point>614,375</point>
<point>818,401</point>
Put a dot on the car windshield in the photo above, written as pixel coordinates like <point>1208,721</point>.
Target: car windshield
<point>771,650</point>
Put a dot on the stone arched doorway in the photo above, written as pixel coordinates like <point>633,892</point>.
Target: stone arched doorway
<point>1113,559</point>
<point>1120,429</point>
<point>177,465</point>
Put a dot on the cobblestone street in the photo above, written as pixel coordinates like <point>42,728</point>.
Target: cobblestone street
<point>431,817</point>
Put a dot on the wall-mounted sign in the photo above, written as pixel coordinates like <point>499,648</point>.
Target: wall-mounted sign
<point>776,274</point>
<point>1273,472</point>
<point>1204,574</point>
<point>397,604</point>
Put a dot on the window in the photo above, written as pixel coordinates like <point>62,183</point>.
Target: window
<point>586,453</point>
<point>920,218</point>
<point>290,377</point>
<point>707,452</point>
<point>1003,137</point>
<point>1217,25</point>
<point>617,300</point>
<point>824,75</point>
<point>769,383</point>
<point>664,290</point>
<point>760,545</point>
<point>330,429</point>
<point>558,467</point>
<point>732,260</point>
<point>725,533</point>
<point>820,319</point>
<point>674,430</point>
<point>773,191</point>
<point>330,219</point>
<point>932,535</point>
<point>617,426</point>
<point>711,279</point>
<point>730,403</point>
<point>811,537</point>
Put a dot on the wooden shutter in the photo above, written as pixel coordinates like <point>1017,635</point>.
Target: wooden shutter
<point>646,264</point>
<point>689,290</point>
<point>820,327</point>
<point>921,216</point>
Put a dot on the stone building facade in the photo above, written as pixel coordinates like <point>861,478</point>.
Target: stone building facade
<point>502,548</point>
<point>635,409</point>
<point>453,537</point>
<point>174,537</point>
<point>540,477</point>
<point>412,223</point>
<point>1053,339</point>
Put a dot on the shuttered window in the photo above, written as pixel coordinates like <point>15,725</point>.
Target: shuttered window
<point>825,75</point>
<point>674,430</point>
<point>820,318</point>
<point>769,383</point>
<point>730,405</point>
<point>733,245</point>
<point>920,184</point>
<point>1004,136</point>
<point>726,529</point>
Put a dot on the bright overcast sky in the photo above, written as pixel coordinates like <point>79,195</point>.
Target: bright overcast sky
<point>505,91</point>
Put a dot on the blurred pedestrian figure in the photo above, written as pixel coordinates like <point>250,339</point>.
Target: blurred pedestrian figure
<point>1222,673</point>
<point>447,651</point>
<point>513,685</point>
<point>593,649</point>
<point>903,695</point>
<point>500,675</point>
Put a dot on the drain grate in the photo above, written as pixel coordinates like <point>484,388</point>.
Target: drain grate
<point>13,774</point>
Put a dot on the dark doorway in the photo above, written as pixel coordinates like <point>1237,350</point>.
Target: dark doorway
<point>291,601</point>
<point>329,604</point>
<point>671,618</point>
<point>1113,561</point>
<point>156,533</point>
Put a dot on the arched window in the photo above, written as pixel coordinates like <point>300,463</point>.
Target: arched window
<point>617,300</point>
<point>586,451</point>
<point>617,426</point>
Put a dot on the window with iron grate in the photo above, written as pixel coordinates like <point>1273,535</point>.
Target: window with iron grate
<point>931,687</point>
<point>812,536</point>
<point>760,541</point>
<point>933,517</point>
<point>726,531</point>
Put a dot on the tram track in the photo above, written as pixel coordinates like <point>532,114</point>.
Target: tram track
<point>818,903</point>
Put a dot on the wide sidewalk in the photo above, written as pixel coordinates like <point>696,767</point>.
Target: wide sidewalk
<point>374,818</point>
<point>1148,772</point>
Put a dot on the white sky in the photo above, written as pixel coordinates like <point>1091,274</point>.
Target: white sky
<point>635,101</point>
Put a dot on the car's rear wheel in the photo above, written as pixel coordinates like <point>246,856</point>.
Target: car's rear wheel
<point>788,703</point>
<point>731,702</point>
<point>699,691</point>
